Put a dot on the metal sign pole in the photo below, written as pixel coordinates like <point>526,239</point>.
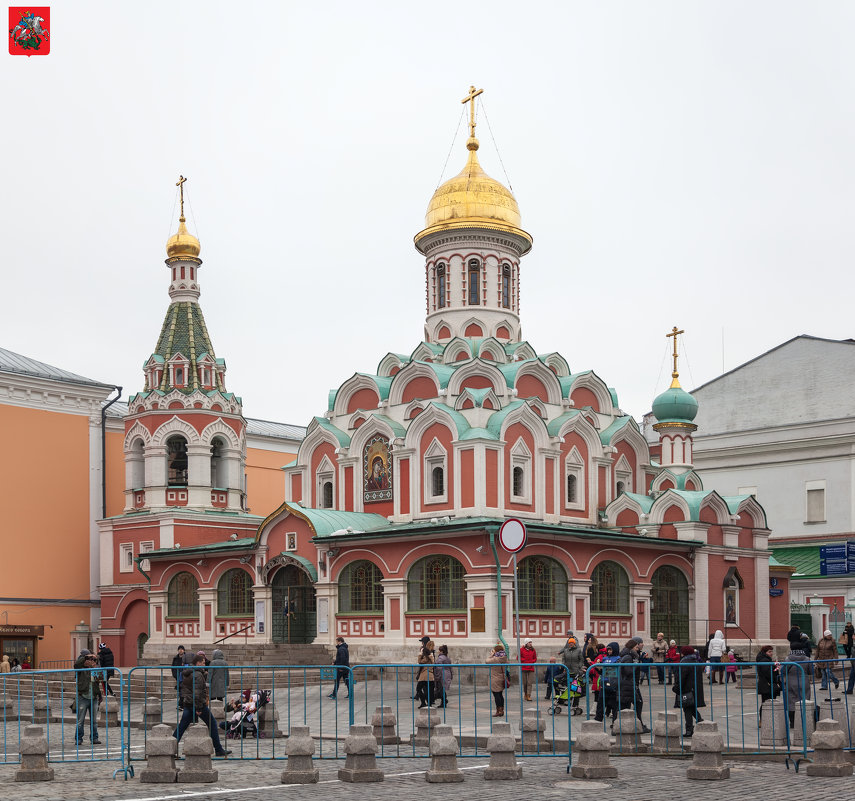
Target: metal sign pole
<point>517,616</point>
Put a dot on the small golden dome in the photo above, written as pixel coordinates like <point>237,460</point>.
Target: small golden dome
<point>183,244</point>
<point>472,199</point>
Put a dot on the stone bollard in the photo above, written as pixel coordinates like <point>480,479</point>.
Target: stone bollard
<point>161,748</point>
<point>503,762</point>
<point>152,712</point>
<point>828,742</point>
<point>532,732</point>
<point>383,724</point>
<point>33,749</point>
<point>707,761</point>
<point>443,757</point>
<point>773,723</point>
<point>427,719</point>
<point>41,710</point>
<point>798,733</point>
<point>198,748</point>
<point>628,730</point>
<point>268,721</point>
<point>7,709</point>
<point>360,764</point>
<point>300,768</point>
<point>666,733</point>
<point>109,714</point>
<point>592,745</point>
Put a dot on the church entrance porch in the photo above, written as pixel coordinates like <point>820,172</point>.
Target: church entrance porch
<point>294,608</point>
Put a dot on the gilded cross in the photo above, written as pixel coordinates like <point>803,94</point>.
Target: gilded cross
<point>470,98</point>
<point>181,181</point>
<point>675,332</point>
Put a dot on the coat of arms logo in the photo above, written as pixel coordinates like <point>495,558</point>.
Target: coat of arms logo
<point>28,31</point>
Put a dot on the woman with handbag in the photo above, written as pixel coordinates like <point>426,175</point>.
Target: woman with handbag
<point>689,689</point>
<point>768,679</point>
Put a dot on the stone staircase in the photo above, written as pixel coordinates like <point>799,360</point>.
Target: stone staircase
<point>238,653</point>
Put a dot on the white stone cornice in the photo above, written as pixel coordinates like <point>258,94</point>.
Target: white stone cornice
<point>33,392</point>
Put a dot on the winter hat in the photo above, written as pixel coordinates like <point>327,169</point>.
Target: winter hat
<point>826,633</point>
<point>730,652</point>
<point>202,654</point>
<point>85,652</point>
<point>687,650</point>
<point>527,642</point>
<point>424,640</point>
<point>673,642</point>
<point>102,646</point>
<point>639,640</point>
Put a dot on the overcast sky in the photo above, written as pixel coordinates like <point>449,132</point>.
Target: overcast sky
<point>678,163</point>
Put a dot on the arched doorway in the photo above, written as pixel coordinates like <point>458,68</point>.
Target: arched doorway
<point>669,611</point>
<point>294,608</point>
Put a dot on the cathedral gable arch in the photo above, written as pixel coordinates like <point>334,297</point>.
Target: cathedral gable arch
<point>535,379</point>
<point>530,420</point>
<point>455,349</point>
<point>175,425</point>
<point>663,504</point>
<point>416,380</point>
<point>485,373</point>
<point>218,427</point>
<point>750,506</point>
<point>597,396</point>
<point>358,392</point>
<point>136,431</point>
<point>715,503</point>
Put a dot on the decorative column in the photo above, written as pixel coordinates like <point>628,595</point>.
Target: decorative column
<point>394,607</point>
<point>639,605</point>
<point>207,613</point>
<point>157,604</point>
<point>199,476</point>
<point>698,627</point>
<point>262,596</point>
<point>580,595</point>
<point>326,598</point>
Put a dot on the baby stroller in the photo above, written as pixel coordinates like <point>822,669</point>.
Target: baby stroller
<point>560,693</point>
<point>245,711</point>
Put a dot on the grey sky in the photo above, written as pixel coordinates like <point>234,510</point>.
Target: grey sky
<point>677,163</point>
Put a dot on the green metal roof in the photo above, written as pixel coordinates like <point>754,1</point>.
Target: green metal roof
<point>242,544</point>
<point>326,425</point>
<point>310,568</point>
<point>644,501</point>
<point>477,395</point>
<point>397,429</point>
<point>478,433</point>
<point>497,419</point>
<point>805,559</point>
<point>325,522</point>
<point>460,422</point>
<point>554,426</point>
<point>617,424</point>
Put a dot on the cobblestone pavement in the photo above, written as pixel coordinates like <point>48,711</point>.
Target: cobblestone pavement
<point>639,779</point>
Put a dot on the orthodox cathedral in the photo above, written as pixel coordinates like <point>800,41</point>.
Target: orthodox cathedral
<point>388,529</point>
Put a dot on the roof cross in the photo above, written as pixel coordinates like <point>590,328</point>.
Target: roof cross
<point>181,181</point>
<point>470,98</point>
<point>675,332</point>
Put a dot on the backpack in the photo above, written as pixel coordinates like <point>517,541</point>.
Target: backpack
<point>610,670</point>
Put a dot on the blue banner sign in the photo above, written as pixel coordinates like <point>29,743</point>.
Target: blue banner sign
<point>833,567</point>
<point>833,551</point>
<point>775,592</point>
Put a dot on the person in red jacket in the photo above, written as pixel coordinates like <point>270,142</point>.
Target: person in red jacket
<point>672,657</point>
<point>528,656</point>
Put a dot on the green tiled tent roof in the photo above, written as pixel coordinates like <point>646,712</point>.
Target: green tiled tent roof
<point>805,559</point>
<point>184,331</point>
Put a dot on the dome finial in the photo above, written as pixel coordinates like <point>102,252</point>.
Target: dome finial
<point>675,376</point>
<point>470,98</point>
<point>182,244</point>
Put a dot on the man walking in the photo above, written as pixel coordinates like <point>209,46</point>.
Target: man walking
<point>342,663</point>
<point>659,650</point>
<point>193,699</point>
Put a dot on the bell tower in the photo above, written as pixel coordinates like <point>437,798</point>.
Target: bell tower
<point>472,243</point>
<point>185,434</point>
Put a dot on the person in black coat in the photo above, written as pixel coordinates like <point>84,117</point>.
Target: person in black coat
<point>108,661</point>
<point>342,662</point>
<point>629,693</point>
<point>178,663</point>
<point>689,688</point>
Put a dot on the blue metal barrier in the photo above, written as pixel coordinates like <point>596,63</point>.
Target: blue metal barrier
<point>614,687</point>
<point>58,689</point>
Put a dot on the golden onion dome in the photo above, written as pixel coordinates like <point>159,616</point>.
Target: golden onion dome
<point>183,244</point>
<point>473,199</point>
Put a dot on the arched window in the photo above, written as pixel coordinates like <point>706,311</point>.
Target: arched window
<point>619,488</point>
<point>542,585</point>
<point>179,376</point>
<point>572,488</point>
<point>609,590</point>
<point>327,500</point>
<point>506,286</point>
<point>218,465</point>
<point>435,583</point>
<point>438,482</point>
<point>474,282</point>
<point>137,465</point>
<point>176,461</point>
<point>519,478</point>
<point>440,286</point>
<point>182,597</point>
<point>359,588</point>
<point>234,593</point>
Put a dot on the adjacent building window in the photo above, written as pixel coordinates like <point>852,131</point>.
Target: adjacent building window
<point>519,481</point>
<point>506,286</point>
<point>542,585</point>
<point>441,278</point>
<point>126,557</point>
<point>747,491</point>
<point>182,597</point>
<point>435,466</point>
<point>520,473</point>
<point>574,491</point>
<point>234,593</point>
<point>609,590</point>
<point>327,495</point>
<point>359,588</point>
<point>176,461</point>
<point>474,282</point>
<point>815,501</point>
<point>435,584</point>
<point>572,488</point>
<point>437,482</point>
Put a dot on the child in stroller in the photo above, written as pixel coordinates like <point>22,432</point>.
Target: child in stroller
<point>559,692</point>
<point>244,712</point>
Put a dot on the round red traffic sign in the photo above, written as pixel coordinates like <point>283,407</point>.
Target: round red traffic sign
<point>512,535</point>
